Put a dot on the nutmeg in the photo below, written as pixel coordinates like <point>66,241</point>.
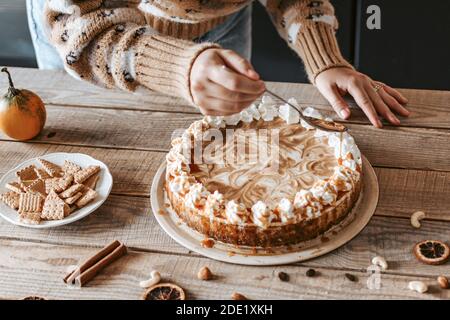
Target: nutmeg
<point>443,282</point>
<point>204,274</point>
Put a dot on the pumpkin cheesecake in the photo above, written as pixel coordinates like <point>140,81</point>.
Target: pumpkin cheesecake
<point>262,178</point>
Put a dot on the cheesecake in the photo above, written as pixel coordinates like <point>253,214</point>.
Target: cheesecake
<point>262,177</point>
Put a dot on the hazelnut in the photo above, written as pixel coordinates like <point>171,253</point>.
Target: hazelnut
<point>204,274</point>
<point>238,296</point>
<point>443,282</point>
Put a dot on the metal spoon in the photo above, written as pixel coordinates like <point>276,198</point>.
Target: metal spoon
<point>314,122</point>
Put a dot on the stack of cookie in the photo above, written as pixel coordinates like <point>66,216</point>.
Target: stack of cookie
<point>51,192</point>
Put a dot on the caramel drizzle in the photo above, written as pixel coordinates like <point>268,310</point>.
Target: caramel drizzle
<point>247,182</point>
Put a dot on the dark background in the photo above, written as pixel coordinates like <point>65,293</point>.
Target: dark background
<point>412,49</point>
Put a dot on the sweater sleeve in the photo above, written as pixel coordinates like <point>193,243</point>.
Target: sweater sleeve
<point>309,28</point>
<point>113,47</point>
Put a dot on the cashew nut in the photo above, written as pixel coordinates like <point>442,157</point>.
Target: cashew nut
<point>418,286</point>
<point>381,262</point>
<point>155,278</point>
<point>416,217</point>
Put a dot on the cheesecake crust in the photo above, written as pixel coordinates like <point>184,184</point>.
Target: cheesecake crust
<point>273,236</point>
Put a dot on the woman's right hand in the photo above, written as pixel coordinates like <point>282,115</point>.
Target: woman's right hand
<point>223,83</point>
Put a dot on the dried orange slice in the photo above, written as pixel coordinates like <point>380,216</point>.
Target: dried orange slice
<point>33,298</point>
<point>432,251</point>
<point>164,291</point>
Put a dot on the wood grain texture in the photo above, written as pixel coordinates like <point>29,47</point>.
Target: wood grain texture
<point>429,108</point>
<point>57,87</point>
<point>132,170</point>
<point>418,148</point>
<point>37,269</point>
<point>401,191</point>
<point>131,133</point>
<point>131,220</point>
<point>130,129</point>
<point>127,219</point>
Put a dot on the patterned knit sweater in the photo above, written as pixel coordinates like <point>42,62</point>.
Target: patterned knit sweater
<point>128,44</point>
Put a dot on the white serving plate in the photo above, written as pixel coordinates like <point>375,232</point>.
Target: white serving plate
<point>103,188</point>
<point>331,240</point>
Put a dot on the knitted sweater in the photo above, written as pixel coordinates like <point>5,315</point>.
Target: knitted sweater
<point>128,44</point>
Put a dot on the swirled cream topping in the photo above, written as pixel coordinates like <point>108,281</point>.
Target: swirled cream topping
<point>285,173</point>
<point>252,175</point>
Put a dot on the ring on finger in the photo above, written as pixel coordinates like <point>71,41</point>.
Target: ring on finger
<point>377,86</point>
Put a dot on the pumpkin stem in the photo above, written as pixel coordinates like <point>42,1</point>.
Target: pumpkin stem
<point>12,89</point>
<point>11,84</point>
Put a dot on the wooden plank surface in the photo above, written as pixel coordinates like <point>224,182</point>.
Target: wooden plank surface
<point>130,219</point>
<point>132,170</point>
<point>401,191</point>
<point>429,108</point>
<point>37,269</point>
<point>418,148</point>
<point>131,134</point>
<point>57,87</point>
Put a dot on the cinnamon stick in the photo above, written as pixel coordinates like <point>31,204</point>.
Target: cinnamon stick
<point>89,269</point>
<point>91,261</point>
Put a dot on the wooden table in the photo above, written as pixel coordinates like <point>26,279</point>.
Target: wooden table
<point>131,134</point>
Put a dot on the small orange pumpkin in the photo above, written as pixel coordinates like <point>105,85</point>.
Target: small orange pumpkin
<point>22,113</point>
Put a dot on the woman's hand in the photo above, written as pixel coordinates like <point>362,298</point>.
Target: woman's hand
<point>223,83</point>
<point>336,82</point>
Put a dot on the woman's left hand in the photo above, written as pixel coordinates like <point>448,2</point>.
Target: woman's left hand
<point>374,98</point>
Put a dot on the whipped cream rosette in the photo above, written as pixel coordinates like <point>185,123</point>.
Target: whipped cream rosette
<point>307,182</point>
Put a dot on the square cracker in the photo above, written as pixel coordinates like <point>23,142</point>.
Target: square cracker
<point>51,168</point>
<point>38,186</point>
<point>14,187</point>
<point>29,202</point>
<point>70,167</point>
<point>87,197</point>
<point>11,199</point>
<point>30,217</point>
<point>25,184</point>
<point>86,173</point>
<point>41,173</point>
<point>73,190</point>
<point>54,207</point>
<point>58,184</point>
<point>27,173</point>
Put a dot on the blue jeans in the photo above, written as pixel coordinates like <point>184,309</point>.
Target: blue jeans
<point>235,34</point>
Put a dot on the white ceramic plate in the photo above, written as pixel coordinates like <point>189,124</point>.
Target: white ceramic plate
<point>331,240</point>
<point>104,186</point>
